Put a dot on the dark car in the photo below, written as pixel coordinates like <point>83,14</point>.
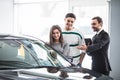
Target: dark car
<point>25,58</point>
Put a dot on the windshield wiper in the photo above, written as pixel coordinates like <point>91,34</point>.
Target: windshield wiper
<point>73,69</point>
<point>14,65</point>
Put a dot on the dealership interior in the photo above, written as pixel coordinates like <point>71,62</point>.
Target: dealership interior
<point>35,17</point>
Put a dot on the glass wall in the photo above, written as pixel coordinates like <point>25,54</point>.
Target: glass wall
<point>83,23</point>
<point>35,17</point>
<point>86,13</point>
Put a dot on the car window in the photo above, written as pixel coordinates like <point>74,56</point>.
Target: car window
<point>22,53</point>
<point>56,56</point>
<point>48,55</point>
<point>14,54</point>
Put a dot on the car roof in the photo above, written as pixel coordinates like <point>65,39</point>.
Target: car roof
<point>17,36</point>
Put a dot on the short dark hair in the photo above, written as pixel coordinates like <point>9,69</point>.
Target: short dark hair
<point>99,19</point>
<point>70,15</point>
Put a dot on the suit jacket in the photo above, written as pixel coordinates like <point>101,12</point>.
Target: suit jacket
<point>99,52</point>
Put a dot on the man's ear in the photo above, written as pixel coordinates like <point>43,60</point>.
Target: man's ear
<point>101,24</point>
<point>64,19</point>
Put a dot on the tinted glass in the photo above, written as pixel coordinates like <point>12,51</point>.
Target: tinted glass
<point>20,53</point>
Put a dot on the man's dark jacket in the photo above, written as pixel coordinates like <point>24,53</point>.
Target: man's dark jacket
<point>99,52</point>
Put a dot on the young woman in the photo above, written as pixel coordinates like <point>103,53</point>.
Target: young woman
<point>57,41</point>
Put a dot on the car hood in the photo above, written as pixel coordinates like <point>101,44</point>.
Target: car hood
<point>38,73</point>
<point>46,74</point>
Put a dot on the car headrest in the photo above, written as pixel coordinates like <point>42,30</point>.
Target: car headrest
<point>8,52</point>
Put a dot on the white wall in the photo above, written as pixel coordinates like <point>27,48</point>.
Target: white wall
<point>6,16</point>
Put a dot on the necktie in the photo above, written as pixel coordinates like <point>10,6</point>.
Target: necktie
<point>94,37</point>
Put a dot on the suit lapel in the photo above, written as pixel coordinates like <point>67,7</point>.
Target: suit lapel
<point>97,35</point>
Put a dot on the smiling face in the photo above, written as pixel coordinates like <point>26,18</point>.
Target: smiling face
<point>69,21</point>
<point>96,26</point>
<point>56,35</point>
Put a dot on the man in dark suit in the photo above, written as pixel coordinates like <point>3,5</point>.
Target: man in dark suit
<point>98,50</point>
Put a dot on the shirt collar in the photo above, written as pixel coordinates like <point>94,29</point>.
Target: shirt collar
<point>99,31</point>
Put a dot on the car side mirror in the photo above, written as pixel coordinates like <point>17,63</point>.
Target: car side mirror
<point>53,54</point>
<point>52,70</point>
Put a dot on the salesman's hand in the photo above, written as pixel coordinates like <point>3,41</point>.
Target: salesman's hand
<point>83,47</point>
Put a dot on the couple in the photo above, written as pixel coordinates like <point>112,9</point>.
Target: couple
<point>98,50</point>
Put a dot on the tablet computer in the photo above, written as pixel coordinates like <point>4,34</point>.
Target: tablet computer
<point>88,41</point>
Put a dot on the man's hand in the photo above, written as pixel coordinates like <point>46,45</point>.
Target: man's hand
<point>83,47</point>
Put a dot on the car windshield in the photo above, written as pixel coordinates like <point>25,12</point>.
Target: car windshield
<point>27,53</point>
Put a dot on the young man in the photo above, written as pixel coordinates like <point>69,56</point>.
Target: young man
<point>74,38</point>
<point>98,50</point>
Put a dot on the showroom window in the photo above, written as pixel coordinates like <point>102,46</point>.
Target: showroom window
<point>35,17</point>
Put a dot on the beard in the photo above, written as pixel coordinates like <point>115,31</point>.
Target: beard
<point>95,29</point>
